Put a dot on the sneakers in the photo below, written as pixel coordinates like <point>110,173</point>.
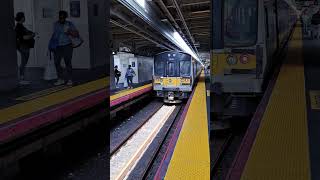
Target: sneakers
<point>59,82</point>
<point>69,83</point>
<point>24,82</point>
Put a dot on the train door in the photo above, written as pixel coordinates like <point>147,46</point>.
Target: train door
<point>171,66</point>
<point>172,70</point>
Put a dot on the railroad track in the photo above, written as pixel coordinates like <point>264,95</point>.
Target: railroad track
<point>125,156</point>
<point>117,145</point>
<point>224,147</point>
<point>220,145</point>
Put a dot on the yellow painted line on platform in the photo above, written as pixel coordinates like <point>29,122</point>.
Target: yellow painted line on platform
<point>42,93</point>
<point>281,150</point>
<point>129,91</point>
<point>25,108</point>
<point>191,157</point>
<point>315,100</point>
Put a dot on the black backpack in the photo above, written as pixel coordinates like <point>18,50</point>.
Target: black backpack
<point>118,73</point>
<point>315,19</point>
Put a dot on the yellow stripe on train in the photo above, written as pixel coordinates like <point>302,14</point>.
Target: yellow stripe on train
<point>172,81</point>
<point>219,62</point>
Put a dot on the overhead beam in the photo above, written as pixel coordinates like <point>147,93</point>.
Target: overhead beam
<point>183,21</point>
<point>168,14</point>
<point>132,22</point>
<point>139,34</point>
<point>146,13</point>
<point>192,4</point>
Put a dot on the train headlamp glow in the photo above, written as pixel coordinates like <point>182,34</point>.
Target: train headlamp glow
<point>232,60</point>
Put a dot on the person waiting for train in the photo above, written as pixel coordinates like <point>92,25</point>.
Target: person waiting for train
<point>129,75</point>
<point>25,41</point>
<point>305,21</point>
<point>117,75</point>
<point>63,31</point>
<point>315,21</point>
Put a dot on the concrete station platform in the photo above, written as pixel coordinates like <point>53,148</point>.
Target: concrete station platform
<point>40,103</point>
<point>282,141</point>
<point>188,156</point>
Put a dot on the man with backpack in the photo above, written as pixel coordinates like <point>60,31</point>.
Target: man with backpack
<point>62,46</point>
<point>25,41</point>
<point>117,75</point>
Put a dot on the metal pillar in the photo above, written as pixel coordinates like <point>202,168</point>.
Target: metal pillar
<point>8,54</point>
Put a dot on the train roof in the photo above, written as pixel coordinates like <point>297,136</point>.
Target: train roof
<point>181,52</point>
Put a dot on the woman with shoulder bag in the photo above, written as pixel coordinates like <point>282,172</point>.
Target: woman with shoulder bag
<point>25,41</point>
<point>65,35</point>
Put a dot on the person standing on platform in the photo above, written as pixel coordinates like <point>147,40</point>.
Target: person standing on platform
<point>117,75</point>
<point>129,75</point>
<point>305,21</point>
<point>25,41</point>
<point>315,21</point>
<point>63,30</point>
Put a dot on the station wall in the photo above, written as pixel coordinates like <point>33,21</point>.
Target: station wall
<point>143,67</point>
<point>85,14</point>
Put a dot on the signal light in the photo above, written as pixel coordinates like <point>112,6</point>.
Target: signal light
<point>244,59</point>
<point>232,60</point>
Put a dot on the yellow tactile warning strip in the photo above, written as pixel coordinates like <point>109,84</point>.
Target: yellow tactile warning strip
<point>129,91</point>
<point>281,150</point>
<point>191,157</point>
<point>315,99</point>
<point>42,93</point>
<point>40,103</point>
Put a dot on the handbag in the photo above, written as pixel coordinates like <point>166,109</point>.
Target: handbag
<point>76,41</point>
<point>75,38</point>
<point>50,72</point>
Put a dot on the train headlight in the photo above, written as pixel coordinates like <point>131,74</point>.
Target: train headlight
<point>185,81</point>
<point>157,80</point>
<point>244,59</point>
<point>232,60</point>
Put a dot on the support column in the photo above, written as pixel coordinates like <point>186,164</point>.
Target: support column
<point>98,28</point>
<point>8,54</point>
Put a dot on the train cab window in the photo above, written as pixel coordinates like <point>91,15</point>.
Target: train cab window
<point>185,68</point>
<point>171,69</point>
<point>240,22</point>
<point>159,68</point>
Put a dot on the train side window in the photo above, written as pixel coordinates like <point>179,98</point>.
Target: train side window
<point>185,68</point>
<point>267,22</point>
<point>159,68</point>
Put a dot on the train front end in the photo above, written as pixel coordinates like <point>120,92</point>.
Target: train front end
<point>237,57</point>
<point>172,79</point>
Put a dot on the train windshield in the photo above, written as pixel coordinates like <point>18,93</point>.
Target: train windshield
<point>171,69</point>
<point>185,68</point>
<point>240,22</point>
<point>159,68</point>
